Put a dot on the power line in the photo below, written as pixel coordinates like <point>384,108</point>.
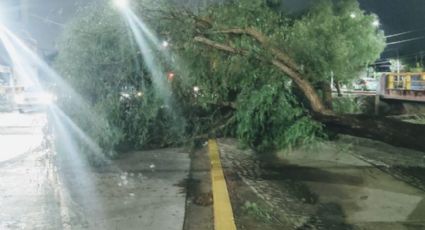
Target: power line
<point>403,33</point>
<point>47,20</point>
<point>407,40</point>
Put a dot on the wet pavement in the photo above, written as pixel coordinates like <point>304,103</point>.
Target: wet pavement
<point>330,186</point>
<point>138,191</point>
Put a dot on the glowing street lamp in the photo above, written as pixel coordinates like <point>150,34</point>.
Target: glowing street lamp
<point>121,4</point>
<point>353,15</point>
<point>376,23</point>
<point>196,89</point>
<point>170,76</point>
<point>165,44</point>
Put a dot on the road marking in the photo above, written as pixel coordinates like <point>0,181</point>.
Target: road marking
<point>223,213</point>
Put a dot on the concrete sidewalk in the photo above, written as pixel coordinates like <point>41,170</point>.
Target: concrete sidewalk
<point>325,187</point>
<point>139,192</point>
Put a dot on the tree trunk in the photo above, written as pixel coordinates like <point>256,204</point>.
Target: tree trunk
<point>326,89</point>
<point>306,87</point>
<point>393,132</point>
<point>338,88</point>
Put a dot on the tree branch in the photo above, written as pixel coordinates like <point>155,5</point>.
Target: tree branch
<point>265,42</point>
<point>218,46</point>
<point>218,127</point>
<point>229,104</point>
<point>308,90</point>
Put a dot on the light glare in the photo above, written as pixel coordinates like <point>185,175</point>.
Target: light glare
<point>47,98</point>
<point>165,44</point>
<point>376,23</point>
<point>121,4</point>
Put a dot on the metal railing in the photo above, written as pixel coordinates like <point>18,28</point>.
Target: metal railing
<point>405,81</point>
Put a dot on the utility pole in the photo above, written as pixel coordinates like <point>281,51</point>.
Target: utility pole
<point>398,62</point>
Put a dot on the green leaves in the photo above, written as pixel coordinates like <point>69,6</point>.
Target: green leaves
<point>335,37</point>
<point>270,118</point>
<point>100,60</point>
<point>217,93</point>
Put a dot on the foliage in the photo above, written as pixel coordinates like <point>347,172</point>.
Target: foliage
<point>269,118</point>
<point>267,114</point>
<point>337,38</point>
<point>238,95</point>
<point>348,105</point>
<point>416,68</point>
<point>251,208</point>
<point>100,60</point>
<point>416,119</point>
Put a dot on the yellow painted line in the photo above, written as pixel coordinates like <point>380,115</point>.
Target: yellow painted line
<point>223,213</point>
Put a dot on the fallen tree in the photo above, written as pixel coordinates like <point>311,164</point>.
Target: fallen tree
<point>267,53</point>
<point>388,130</point>
<point>242,68</point>
<point>393,132</point>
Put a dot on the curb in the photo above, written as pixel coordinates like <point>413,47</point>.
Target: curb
<point>223,213</point>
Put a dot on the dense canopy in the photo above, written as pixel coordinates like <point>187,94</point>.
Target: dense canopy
<point>241,68</point>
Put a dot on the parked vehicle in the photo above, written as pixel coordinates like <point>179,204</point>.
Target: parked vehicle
<point>366,84</point>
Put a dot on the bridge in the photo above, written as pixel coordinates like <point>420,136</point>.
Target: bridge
<point>402,86</point>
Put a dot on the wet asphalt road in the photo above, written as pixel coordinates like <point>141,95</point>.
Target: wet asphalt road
<point>138,191</point>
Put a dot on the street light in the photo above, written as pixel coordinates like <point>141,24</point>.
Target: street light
<point>165,44</point>
<point>196,89</point>
<point>376,23</point>
<point>121,4</point>
<point>170,76</point>
<point>353,15</point>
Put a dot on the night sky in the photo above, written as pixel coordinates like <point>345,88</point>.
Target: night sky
<point>46,16</point>
<point>399,16</point>
<point>396,16</point>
